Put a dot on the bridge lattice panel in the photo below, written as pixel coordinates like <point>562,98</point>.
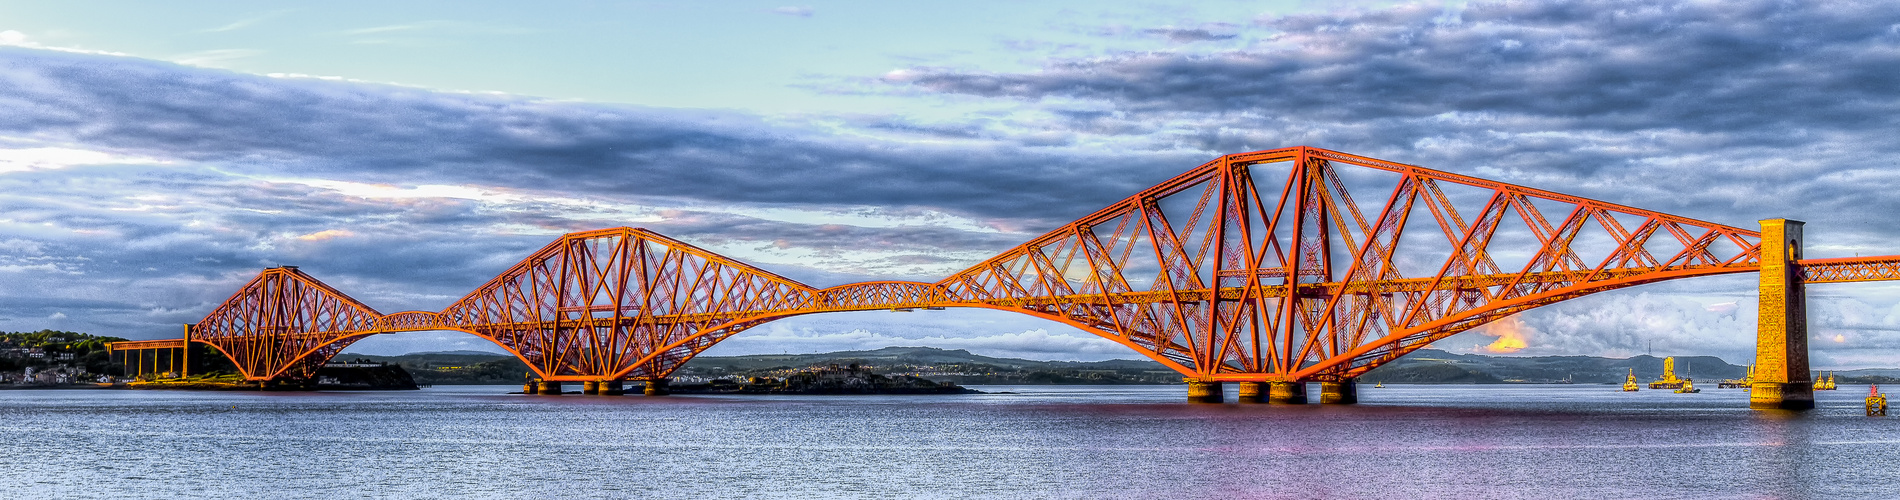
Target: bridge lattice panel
<point>1850,269</point>
<point>852,297</point>
<point>1265,266</point>
<point>606,304</point>
<point>285,324</point>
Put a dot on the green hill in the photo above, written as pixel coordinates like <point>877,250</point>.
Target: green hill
<point>1426,366</point>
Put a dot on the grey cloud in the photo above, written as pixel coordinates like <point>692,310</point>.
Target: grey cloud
<point>1188,35</point>
<point>399,135</point>
<point>795,11</point>
<point>1763,108</point>
<point>134,250</point>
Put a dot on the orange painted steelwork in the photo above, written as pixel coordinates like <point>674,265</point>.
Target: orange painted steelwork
<point>1851,269</point>
<point>139,345</point>
<point>1260,266</point>
<point>285,323</point>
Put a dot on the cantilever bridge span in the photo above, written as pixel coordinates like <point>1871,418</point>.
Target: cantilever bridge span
<point>1270,269</point>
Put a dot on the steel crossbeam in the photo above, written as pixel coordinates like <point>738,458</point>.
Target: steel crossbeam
<point>1851,269</point>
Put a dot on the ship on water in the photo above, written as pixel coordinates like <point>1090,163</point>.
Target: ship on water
<point>1668,380</point>
<point>1745,382</point>
<point>1629,384</point>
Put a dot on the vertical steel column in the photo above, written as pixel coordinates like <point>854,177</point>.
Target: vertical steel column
<point>185,369</point>
<point>1781,329</point>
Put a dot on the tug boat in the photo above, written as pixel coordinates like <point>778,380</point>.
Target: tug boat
<point>1824,383</point>
<point>1629,384</point>
<point>1688,387</point>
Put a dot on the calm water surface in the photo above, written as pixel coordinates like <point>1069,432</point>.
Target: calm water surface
<point>1583,441</point>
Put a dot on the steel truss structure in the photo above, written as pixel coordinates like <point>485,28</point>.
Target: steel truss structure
<point>1295,264</point>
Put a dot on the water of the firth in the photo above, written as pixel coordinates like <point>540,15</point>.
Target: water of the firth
<point>1518,441</point>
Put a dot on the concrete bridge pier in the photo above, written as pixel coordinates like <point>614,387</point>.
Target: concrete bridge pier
<point>1253,392</point>
<point>1287,393</point>
<point>590,387</point>
<point>530,386</point>
<point>1781,379</point>
<point>656,387</point>
<point>1204,392</point>
<point>550,388</point>
<point>1344,392</point>
<point>612,388</point>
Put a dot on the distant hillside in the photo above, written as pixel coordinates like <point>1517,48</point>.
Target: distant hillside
<point>942,365</point>
<point>1436,366</point>
<point>907,355</point>
<point>1426,366</point>
<point>454,367</point>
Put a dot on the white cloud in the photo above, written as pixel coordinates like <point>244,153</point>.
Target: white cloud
<point>216,58</point>
<point>21,247</point>
<point>51,158</point>
<point>246,22</point>
<point>15,38</point>
<point>795,11</point>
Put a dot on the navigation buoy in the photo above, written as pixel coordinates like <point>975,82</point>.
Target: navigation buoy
<point>1876,402</point>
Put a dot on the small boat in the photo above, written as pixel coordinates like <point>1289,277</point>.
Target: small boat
<point>1688,387</point>
<point>1629,384</point>
<point>1379,385</point>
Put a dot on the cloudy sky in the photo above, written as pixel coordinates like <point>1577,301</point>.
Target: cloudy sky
<point>153,157</point>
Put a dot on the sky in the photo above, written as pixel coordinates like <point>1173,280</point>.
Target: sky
<point>154,157</point>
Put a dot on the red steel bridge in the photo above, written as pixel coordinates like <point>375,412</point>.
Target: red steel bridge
<point>1269,269</point>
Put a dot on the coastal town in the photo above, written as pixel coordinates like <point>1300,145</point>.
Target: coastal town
<point>52,358</point>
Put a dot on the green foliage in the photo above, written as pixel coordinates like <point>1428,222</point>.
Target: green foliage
<point>89,351</point>
<point>456,368</point>
<point>57,341</point>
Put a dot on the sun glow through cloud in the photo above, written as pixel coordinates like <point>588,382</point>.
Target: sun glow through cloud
<point>1512,335</point>
<point>327,234</point>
